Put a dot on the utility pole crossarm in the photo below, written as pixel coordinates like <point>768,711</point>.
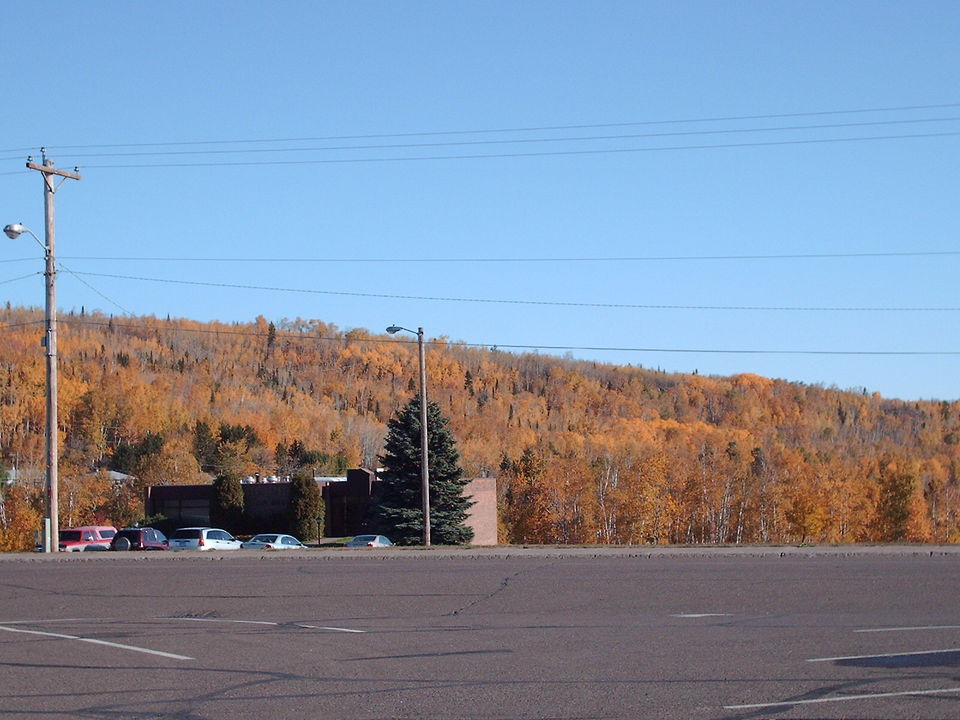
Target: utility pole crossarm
<point>51,170</point>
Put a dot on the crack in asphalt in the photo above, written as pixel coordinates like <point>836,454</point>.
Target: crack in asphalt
<point>503,586</point>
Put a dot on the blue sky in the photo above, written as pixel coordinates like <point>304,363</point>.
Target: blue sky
<point>559,238</point>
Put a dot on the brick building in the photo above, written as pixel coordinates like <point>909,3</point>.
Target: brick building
<point>346,504</point>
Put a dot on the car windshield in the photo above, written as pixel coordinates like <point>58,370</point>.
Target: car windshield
<point>69,535</point>
<point>131,534</point>
<point>265,538</point>
<point>107,533</point>
<point>186,534</point>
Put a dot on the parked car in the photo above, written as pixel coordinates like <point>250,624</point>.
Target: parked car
<point>86,537</point>
<point>203,538</point>
<point>139,538</point>
<point>369,541</point>
<point>273,541</point>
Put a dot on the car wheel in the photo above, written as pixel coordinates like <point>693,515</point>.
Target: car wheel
<point>121,544</point>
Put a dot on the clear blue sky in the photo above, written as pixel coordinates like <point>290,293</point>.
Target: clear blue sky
<point>95,82</point>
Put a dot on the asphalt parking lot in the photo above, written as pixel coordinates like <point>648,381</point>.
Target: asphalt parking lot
<point>489,633</point>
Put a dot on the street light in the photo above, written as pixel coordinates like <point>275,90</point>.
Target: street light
<point>424,457</point>
<point>51,524</point>
<point>15,230</point>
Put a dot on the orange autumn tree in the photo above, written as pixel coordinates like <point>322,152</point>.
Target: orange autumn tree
<point>584,451</point>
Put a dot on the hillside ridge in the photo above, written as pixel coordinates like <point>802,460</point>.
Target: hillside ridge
<point>584,451</point>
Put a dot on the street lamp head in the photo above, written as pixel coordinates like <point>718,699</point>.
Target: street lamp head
<point>14,230</point>
<point>393,329</point>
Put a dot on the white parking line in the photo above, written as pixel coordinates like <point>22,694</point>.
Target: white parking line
<point>844,698</point>
<point>94,641</point>
<point>701,615</point>
<point>53,620</point>
<point>218,620</point>
<point>871,696</point>
<point>907,629</point>
<point>884,655</point>
<point>334,629</point>
<point>264,622</point>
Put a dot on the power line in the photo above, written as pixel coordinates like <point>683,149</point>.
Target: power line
<point>22,277</point>
<point>585,138</point>
<point>502,156</point>
<point>8,326</point>
<point>540,128</point>
<point>647,258</point>
<point>714,351</point>
<point>79,279</point>
<point>91,287</point>
<point>546,303</point>
<point>499,346</point>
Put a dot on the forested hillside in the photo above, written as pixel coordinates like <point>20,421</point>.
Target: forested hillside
<point>584,452</point>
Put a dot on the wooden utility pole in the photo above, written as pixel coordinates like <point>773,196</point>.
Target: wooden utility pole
<point>48,172</point>
<point>424,442</point>
<point>424,438</point>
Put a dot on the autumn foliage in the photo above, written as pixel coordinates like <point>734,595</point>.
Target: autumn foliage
<point>584,452</point>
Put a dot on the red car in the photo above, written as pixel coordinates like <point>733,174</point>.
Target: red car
<point>87,537</point>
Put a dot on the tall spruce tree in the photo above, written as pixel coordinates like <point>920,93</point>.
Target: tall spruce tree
<point>226,510</point>
<point>306,506</point>
<point>398,509</point>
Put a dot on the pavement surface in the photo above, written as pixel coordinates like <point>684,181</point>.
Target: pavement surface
<point>488,633</point>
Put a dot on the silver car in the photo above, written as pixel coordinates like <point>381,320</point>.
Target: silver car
<point>273,541</point>
<point>203,538</point>
<point>369,541</point>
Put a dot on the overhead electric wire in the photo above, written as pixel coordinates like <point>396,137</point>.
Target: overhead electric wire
<point>91,287</point>
<point>464,143</point>
<point>540,128</point>
<point>546,303</point>
<point>501,156</point>
<point>584,138</point>
<point>79,279</point>
<point>647,258</point>
<point>22,277</point>
<point>539,154</point>
<point>709,351</point>
<point>497,346</point>
<point>6,326</point>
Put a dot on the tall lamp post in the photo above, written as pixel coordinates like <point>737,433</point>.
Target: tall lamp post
<point>51,530</point>
<point>51,525</point>
<point>424,456</point>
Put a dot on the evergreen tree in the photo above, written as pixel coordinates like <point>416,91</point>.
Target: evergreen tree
<point>226,510</point>
<point>398,510</point>
<point>204,446</point>
<point>130,457</point>
<point>306,506</point>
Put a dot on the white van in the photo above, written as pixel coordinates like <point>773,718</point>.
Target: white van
<point>203,538</point>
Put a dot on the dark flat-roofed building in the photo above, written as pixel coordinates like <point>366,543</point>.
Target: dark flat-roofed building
<point>346,502</point>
